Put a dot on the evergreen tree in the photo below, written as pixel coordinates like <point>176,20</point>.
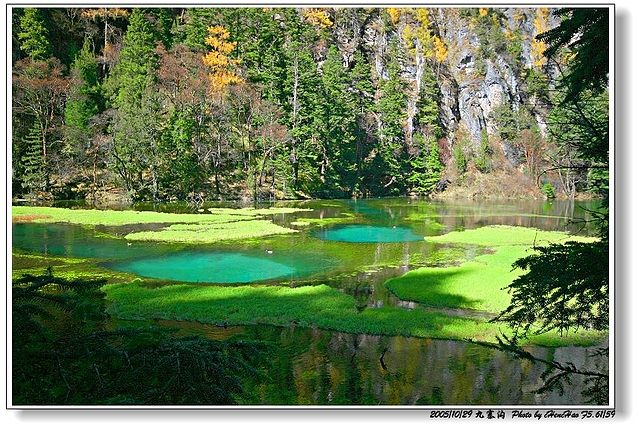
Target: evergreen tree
<point>426,165</point>
<point>301,93</point>
<point>136,123</point>
<point>39,89</point>
<point>196,20</point>
<point>33,35</point>
<point>83,104</point>
<point>391,108</point>
<point>361,88</point>
<point>585,32</point>
<point>565,287</point>
<point>34,177</point>
<point>427,117</point>
<point>137,61</point>
<point>84,94</point>
<point>183,90</point>
<point>336,121</point>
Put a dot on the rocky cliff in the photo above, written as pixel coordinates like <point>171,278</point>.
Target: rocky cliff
<point>481,58</point>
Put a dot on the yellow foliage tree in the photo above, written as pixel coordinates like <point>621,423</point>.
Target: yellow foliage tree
<point>441,52</point>
<point>538,47</point>
<point>217,59</point>
<point>393,14</point>
<point>318,17</point>
<point>420,30</point>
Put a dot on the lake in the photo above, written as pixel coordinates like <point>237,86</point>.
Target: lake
<point>355,246</point>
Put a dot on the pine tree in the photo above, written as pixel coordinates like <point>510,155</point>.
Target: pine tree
<point>133,94</point>
<point>194,30</point>
<point>33,35</point>
<point>35,178</point>
<point>137,62</point>
<point>39,88</point>
<point>391,108</point>
<point>336,120</point>
<point>83,99</point>
<point>426,166</point>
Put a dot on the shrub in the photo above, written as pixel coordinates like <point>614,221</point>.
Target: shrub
<point>548,190</point>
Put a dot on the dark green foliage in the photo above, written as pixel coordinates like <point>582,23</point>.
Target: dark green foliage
<point>193,32</point>
<point>510,122</point>
<point>585,32</point>
<point>135,128</point>
<point>461,162</point>
<point>338,128</point>
<point>489,29</point>
<point>65,354</point>
<point>180,172</point>
<point>426,166</point>
<point>583,126</point>
<point>84,94</point>
<point>162,22</point>
<point>134,112</point>
<point>580,132</point>
<point>33,35</point>
<point>428,105</point>
<point>565,288</point>
<point>137,61</point>
<point>32,169</point>
<point>392,152</point>
<point>537,84</point>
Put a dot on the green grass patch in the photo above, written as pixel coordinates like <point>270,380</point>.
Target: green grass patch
<point>256,212</point>
<point>274,305</point>
<point>121,218</point>
<point>328,221</point>
<point>506,235</point>
<point>475,284</point>
<point>307,306</point>
<point>118,218</point>
<point>68,268</point>
<point>221,224</point>
<point>478,284</point>
<point>211,232</point>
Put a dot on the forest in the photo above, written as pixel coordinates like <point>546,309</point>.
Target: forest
<point>357,117</point>
<point>259,104</point>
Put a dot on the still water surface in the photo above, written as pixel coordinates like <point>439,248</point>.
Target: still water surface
<point>377,239</point>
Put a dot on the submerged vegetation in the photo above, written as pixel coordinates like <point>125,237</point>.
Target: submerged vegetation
<point>455,297</point>
<point>220,224</point>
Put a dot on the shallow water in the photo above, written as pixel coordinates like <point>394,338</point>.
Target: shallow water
<point>369,234</point>
<point>198,266</point>
<point>367,243</point>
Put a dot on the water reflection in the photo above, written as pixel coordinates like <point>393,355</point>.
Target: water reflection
<point>317,367</point>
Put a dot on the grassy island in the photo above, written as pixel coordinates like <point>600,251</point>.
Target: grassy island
<point>451,301</point>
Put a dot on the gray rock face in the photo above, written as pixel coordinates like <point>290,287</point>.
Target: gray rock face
<point>474,79</point>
